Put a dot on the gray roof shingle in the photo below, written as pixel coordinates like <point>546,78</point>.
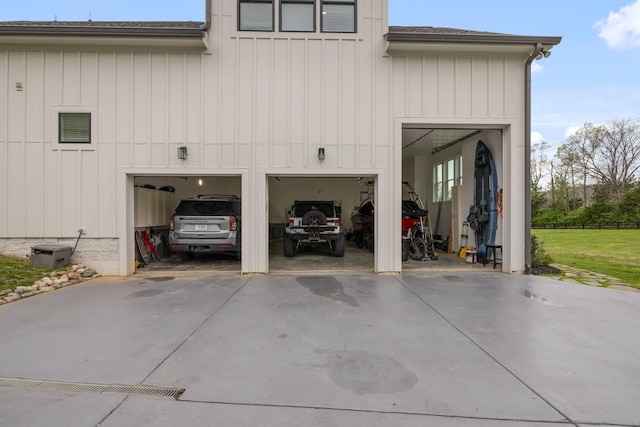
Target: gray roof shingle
<point>455,35</point>
<point>104,28</point>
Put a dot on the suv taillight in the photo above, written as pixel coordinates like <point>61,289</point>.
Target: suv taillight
<point>291,222</point>
<point>233,223</point>
<point>336,222</point>
<point>171,223</point>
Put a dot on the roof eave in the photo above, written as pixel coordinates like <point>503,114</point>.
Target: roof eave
<point>188,38</point>
<point>420,43</point>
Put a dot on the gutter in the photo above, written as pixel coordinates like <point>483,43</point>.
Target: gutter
<point>207,18</point>
<point>527,158</point>
<point>468,37</point>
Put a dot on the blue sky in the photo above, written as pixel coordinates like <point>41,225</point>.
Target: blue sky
<point>592,76</point>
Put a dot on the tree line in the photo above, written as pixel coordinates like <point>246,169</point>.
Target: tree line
<point>593,177</point>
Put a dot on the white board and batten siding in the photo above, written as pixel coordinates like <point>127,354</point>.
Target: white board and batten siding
<point>251,105</point>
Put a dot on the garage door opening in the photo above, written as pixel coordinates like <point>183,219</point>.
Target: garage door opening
<point>439,164</point>
<point>308,218</point>
<point>188,223</point>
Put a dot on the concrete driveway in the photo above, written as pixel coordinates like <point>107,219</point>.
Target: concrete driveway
<point>442,349</point>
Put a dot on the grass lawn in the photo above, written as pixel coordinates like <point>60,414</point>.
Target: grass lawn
<point>611,252</point>
<point>18,272</point>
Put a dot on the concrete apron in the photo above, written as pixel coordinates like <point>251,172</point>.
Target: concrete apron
<point>359,349</point>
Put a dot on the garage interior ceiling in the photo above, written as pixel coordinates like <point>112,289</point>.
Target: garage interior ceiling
<point>423,141</point>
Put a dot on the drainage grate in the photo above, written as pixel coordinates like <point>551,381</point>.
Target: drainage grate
<point>137,390</point>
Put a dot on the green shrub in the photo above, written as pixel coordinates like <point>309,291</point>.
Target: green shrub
<point>547,216</point>
<point>539,257</point>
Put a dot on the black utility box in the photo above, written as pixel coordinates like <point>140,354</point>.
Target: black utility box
<point>50,256</point>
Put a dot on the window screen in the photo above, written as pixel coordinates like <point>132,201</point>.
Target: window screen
<point>339,16</point>
<point>74,128</point>
<point>297,15</point>
<point>256,15</point>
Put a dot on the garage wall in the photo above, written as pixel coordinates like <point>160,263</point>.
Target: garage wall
<point>468,90</point>
<point>143,106</point>
<point>278,97</point>
<point>444,85</point>
<point>253,104</point>
<point>252,100</point>
<point>283,192</point>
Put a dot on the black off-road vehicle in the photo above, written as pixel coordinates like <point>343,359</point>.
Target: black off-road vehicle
<point>314,223</point>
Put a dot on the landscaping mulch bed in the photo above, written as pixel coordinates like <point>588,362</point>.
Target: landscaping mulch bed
<point>539,271</point>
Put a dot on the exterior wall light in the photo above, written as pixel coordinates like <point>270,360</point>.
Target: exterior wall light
<point>182,153</point>
<point>321,154</point>
<point>543,54</point>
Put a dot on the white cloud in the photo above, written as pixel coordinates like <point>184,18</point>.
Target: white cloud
<point>537,68</point>
<point>536,138</point>
<point>570,131</point>
<point>621,30</point>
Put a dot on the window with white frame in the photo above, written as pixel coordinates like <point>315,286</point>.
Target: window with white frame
<point>298,15</point>
<point>338,16</point>
<point>255,15</point>
<point>74,128</point>
<point>445,176</point>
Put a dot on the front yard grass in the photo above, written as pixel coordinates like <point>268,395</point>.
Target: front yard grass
<point>614,253</point>
<point>18,272</point>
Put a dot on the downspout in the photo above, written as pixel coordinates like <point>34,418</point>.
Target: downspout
<point>207,19</point>
<point>527,157</point>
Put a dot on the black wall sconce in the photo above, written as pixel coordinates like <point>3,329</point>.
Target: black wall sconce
<point>321,154</point>
<point>182,153</point>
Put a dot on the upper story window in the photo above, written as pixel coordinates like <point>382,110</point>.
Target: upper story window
<point>74,128</point>
<point>336,16</point>
<point>297,15</point>
<point>255,15</point>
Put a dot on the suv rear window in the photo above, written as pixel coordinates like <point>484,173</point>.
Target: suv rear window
<point>201,207</point>
<point>302,208</point>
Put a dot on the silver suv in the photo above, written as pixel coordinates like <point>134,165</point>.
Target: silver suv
<point>206,224</point>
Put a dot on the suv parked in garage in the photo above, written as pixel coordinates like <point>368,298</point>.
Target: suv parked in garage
<point>314,223</point>
<point>206,224</point>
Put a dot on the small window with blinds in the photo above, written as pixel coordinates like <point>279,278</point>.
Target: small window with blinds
<point>338,16</point>
<point>297,15</point>
<point>74,128</point>
<point>255,15</point>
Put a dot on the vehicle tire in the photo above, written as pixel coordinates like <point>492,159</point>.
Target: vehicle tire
<point>417,249</point>
<point>289,246</point>
<point>358,238</point>
<point>405,249</point>
<point>239,255</point>
<point>186,256</point>
<point>338,246</point>
<point>314,218</point>
<point>368,241</point>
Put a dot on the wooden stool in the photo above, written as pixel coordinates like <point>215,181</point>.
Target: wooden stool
<point>496,260</point>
